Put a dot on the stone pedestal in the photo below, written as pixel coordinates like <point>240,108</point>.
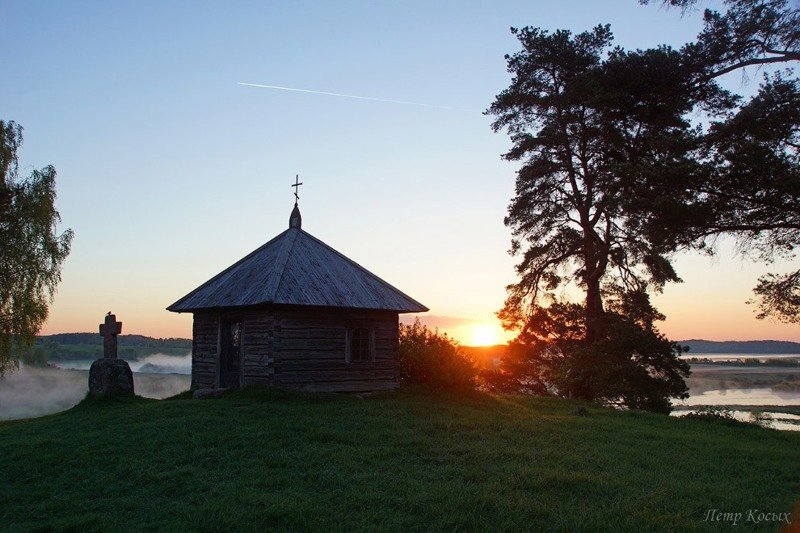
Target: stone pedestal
<point>109,378</point>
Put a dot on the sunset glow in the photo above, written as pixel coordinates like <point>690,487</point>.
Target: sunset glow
<point>449,255</point>
<point>484,335</point>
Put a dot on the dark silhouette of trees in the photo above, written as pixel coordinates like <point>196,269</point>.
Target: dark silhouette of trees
<point>590,132</point>
<point>31,253</point>
<point>748,33</point>
<point>433,358</point>
<point>631,366</point>
<point>617,174</point>
<point>748,185</point>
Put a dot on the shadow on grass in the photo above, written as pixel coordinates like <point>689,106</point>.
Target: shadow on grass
<point>413,393</point>
<point>422,398</point>
<point>89,403</point>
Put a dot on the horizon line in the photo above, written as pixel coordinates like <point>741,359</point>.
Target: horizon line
<point>482,346</point>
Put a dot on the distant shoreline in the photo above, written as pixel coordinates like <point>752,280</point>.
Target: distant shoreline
<point>696,346</point>
<point>701,346</point>
<point>786,409</point>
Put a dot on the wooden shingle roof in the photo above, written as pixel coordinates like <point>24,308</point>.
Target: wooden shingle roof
<point>296,268</point>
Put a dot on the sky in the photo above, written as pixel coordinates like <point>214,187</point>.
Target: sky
<point>169,169</point>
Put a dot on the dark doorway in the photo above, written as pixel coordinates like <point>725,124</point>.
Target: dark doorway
<point>230,355</point>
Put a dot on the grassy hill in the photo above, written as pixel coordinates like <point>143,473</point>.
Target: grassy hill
<point>409,460</point>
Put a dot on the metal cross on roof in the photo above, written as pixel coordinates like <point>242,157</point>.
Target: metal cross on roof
<point>296,186</point>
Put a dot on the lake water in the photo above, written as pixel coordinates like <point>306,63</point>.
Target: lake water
<point>756,396</point>
<point>744,389</point>
<point>757,399</point>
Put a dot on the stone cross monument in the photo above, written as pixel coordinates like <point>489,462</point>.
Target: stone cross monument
<point>109,376</point>
<point>109,330</point>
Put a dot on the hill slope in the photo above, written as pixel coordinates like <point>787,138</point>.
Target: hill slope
<point>410,460</point>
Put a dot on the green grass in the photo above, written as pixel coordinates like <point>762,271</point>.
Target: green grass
<point>416,460</point>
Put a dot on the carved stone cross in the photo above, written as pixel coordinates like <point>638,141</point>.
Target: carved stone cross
<point>109,330</point>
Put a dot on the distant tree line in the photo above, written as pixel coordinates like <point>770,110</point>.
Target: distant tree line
<point>742,347</point>
<point>127,340</point>
<point>747,361</point>
<point>80,346</point>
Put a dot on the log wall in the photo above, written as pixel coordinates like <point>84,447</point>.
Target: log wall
<point>310,350</point>
<point>300,349</point>
<point>257,336</point>
<point>205,330</point>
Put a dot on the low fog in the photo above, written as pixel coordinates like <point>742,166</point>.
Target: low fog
<point>31,391</point>
<point>152,364</point>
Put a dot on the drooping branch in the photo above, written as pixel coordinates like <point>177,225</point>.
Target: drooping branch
<point>781,57</point>
<point>778,296</point>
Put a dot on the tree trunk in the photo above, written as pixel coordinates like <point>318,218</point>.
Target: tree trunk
<point>595,263</point>
<point>594,309</point>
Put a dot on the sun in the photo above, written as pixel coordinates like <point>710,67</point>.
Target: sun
<point>484,335</point>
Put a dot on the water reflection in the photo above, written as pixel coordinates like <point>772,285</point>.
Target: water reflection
<point>754,396</point>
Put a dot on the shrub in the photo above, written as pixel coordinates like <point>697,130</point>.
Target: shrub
<point>629,365</point>
<point>713,413</point>
<point>761,418</point>
<point>427,356</point>
<point>725,416</point>
<point>718,415</point>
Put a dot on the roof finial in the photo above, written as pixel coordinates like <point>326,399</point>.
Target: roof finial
<point>295,220</point>
<point>296,186</point>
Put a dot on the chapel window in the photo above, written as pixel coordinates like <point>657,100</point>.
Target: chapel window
<point>360,351</point>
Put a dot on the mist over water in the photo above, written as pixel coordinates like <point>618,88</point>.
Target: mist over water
<point>31,391</point>
<point>163,364</point>
<point>152,364</point>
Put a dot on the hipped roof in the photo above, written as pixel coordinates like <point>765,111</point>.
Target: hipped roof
<point>296,268</point>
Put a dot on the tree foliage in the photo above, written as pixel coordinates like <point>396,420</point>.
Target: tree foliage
<point>748,33</point>
<point>748,182</point>
<point>778,296</point>
<point>753,188</point>
<point>433,358</point>
<point>591,125</point>
<point>31,251</point>
<point>590,133</point>
<point>631,365</point>
<point>617,174</point>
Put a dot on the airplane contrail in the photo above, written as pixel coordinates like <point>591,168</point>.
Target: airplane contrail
<point>386,100</point>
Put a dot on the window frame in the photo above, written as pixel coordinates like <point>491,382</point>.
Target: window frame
<point>370,345</point>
